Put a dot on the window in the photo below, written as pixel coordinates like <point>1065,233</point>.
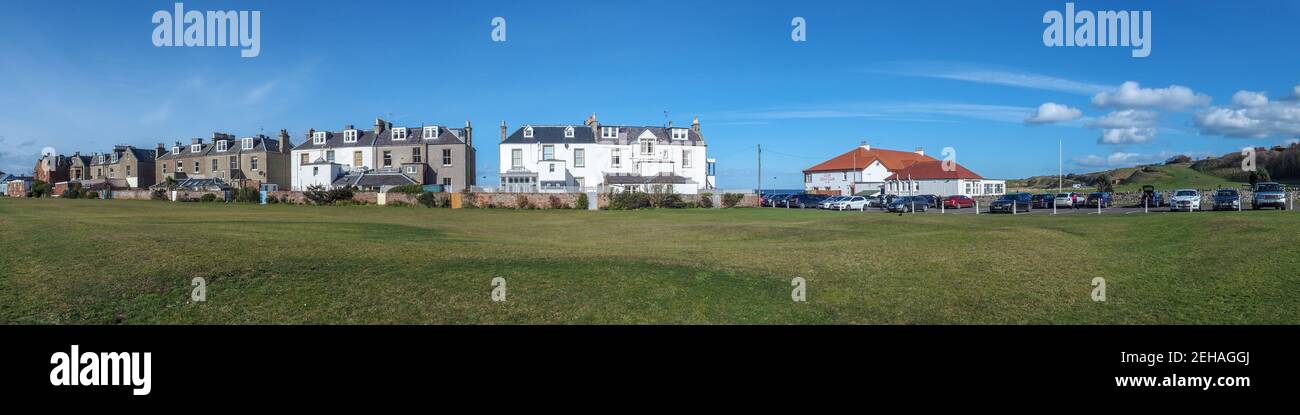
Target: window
<point>516,158</point>
<point>248,144</point>
<point>446,156</point>
<point>399,134</point>
<point>579,157</point>
<point>608,132</point>
<point>304,159</point>
<point>315,171</point>
<point>194,148</point>
<point>164,168</point>
<point>568,132</point>
<point>548,152</point>
<point>350,136</point>
<point>175,150</point>
<point>415,155</point>
<point>356,159</point>
<point>551,166</point>
<point>679,133</point>
<point>410,169</point>
<point>446,181</point>
<point>215,165</point>
<point>128,170</point>
<point>180,167</point>
<point>329,156</point>
<point>647,146</point>
<point>234,163</point>
<point>196,167</point>
<point>388,158</point>
<point>252,162</point>
<point>430,133</point>
<point>318,138</point>
<point>221,145</point>
<point>615,157</point>
<point>528,132</point>
<point>686,158</point>
<point>807,178</point>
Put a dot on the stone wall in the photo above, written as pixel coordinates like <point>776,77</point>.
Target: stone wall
<point>136,194</point>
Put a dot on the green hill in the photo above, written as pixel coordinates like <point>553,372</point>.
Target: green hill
<point>1164,177</point>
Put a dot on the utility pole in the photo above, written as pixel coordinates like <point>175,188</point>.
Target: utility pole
<point>760,169</point>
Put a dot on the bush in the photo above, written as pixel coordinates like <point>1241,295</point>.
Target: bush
<point>71,193</point>
<point>208,197</point>
<point>40,189</point>
<point>317,195</point>
<point>556,203</point>
<point>662,196</point>
<point>427,199</point>
<point>582,201</point>
<point>414,189</point>
<point>628,200</point>
<point>158,194</point>
<point>92,195</point>
<point>271,200</point>
<point>730,200</point>
<point>522,202</point>
<point>706,200</point>
<point>248,195</point>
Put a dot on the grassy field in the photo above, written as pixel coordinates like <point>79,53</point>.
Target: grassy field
<point>131,262</point>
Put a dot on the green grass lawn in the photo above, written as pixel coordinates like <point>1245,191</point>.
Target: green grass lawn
<point>1177,176</point>
<point>131,262</point>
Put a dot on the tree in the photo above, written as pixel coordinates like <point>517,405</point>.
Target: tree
<point>1104,183</point>
<point>1260,175</point>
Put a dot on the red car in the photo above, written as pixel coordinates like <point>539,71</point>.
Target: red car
<point>958,202</point>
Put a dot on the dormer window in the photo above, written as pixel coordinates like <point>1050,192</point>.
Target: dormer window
<point>608,132</point>
<point>430,133</point>
<point>247,143</point>
<point>195,148</point>
<point>221,145</point>
<point>647,146</point>
<point>679,133</point>
<point>318,138</point>
<point>528,132</point>
<point>350,136</point>
<point>175,151</point>
<point>568,132</point>
<point>399,133</point>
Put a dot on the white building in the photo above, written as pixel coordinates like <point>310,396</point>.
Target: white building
<point>870,171</point>
<point>334,153</point>
<point>572,158</point>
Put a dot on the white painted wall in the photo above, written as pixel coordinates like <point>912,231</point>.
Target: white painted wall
<point>598,161</point>
<point>342,156</point>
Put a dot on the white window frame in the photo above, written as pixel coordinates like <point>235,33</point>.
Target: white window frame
<point>176,150</point>
<point>446,157</point>
<point>679,134</point>
<point>528,132</point>
<point>608,132</point>
<point>568,132</point>
<point>516,158</point>
<point>399,134</point>
<point>247,143</point>
<point>686,158</point>
<point>646,146</point>
<point>430,133</point>
<point>221,145</point>
<point>195,148</point>
<point>579,157</point>
<point>552,150</point>
<point>318,138</point>
<point>253,163</point>
<point>616,157</point>
<point>350,136</point>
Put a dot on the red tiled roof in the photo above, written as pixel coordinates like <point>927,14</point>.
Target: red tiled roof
<point>859,158</point>
<point>931,170</point>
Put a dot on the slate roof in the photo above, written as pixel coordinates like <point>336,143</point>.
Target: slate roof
<point>140,154</point>
<point>260,143</point>
<point>373,179</point>
<point>368,138</point>
<point>554,134</point>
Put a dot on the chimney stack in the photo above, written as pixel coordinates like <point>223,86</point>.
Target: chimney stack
<point>159,151</point>
<point>284,141</point>
<point>197,141</point>
<point>920,151</point>
<point>379,125</point>
<point>503,131</point>
<point>594,124</point>
<point>695,125</point>
<point>469,134</point>
<point>865,146</point>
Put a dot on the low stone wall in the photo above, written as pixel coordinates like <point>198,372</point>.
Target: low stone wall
<point>136,194</point>
<point>535,200</point>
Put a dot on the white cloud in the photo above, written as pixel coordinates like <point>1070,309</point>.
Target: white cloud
<point>1121,159</point>
<point>1131,135</point>
<point>1273,119</point>
<point>1132,95</point>
<point>1249,99</point>
<point>259,92</point>
<point>1052,112</point>
<point>1294,95</point>
<point>986,74</point>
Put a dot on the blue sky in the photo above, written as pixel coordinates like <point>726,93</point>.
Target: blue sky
<point>82,76</point>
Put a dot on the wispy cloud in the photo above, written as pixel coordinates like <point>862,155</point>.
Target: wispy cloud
<point>889,111</point>
<point>259,92</point>
<point>988,74</point>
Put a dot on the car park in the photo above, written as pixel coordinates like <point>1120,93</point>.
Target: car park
<point>958,202</point>
<point>1185,199</point>
<point>908,204</point>
<point>1150,197</point>
<point>1044,200</point>
<point>1268,194</point>
<point>1098,199</point>
<point>1067,200</point>
<point>826,203</point>
<point>1012,203</point>
<point>779,199</point>
<point>850,203</point>
<point>804,201</point>
<point>1227,199</point>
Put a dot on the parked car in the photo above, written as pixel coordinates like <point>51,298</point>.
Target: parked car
<point>826,203</point>
<point>908,204</point>
<point>805,200</point>
<point>931,200</point>
<point>1227,199</point>
<point>958,202</point>
<point>850,203</point>
<point>1098,199</point>
<point>1185,199</point>
<point>778,200</point>
<point>1067,200</point>
<point>1268,194</point>
<point>1012,202</point>
<point>1044,200</point>
<point>1150,197</point>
